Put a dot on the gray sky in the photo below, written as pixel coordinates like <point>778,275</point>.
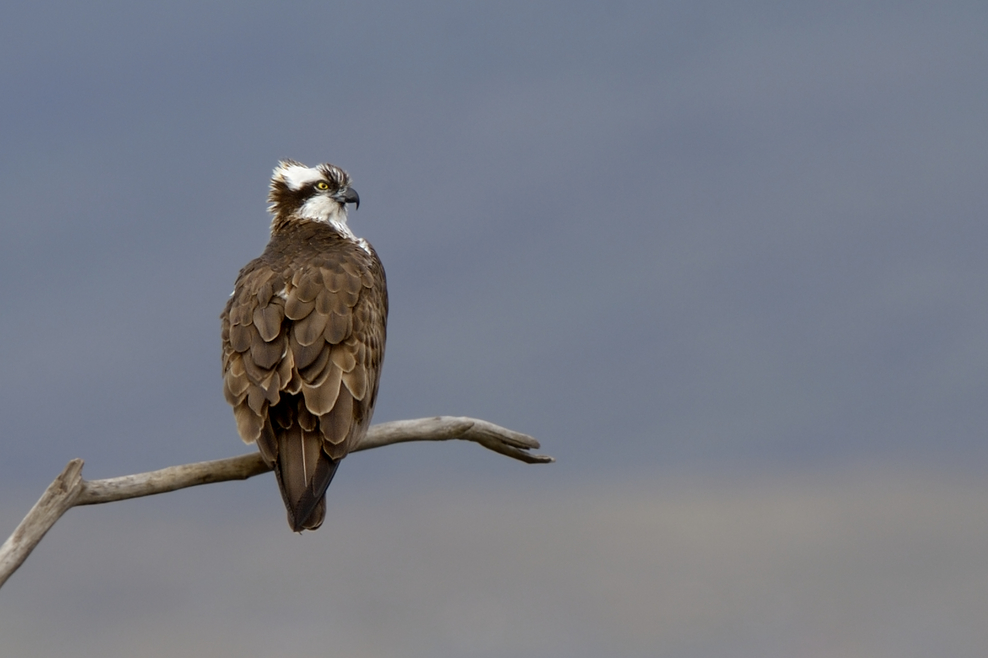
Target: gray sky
<point>679,243</point>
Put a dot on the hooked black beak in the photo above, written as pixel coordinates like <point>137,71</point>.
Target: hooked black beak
<point>351,196</point>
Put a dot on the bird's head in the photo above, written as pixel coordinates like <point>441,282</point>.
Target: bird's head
<point>316,193</point>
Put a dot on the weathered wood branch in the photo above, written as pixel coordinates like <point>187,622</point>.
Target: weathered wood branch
<point>70,490</point>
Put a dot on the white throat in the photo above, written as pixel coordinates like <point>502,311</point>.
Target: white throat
<point>321,208</point>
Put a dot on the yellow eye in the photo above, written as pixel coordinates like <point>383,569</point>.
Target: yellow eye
<point>322,185</point>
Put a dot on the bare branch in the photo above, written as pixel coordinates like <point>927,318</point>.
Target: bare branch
<point>445,428</point>
<point>69,489</point>
<point>172,478</point>
<point>59,497</point>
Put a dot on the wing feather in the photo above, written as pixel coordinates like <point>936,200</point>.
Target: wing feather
<point>335,426</point>
<point>304,355</point>
<point>356,382</point>
<point>240,337</point>
<point>312,372</point>
<point>308,285</point>
<point>267,354</point>
<point>248,423</point>
<point>268,319</point>
<point>295,308</point>
<point>345,355</point>
<point>334,278</point>
<point>338,327</point>
<point>321,399</point>
<point>310,328</point>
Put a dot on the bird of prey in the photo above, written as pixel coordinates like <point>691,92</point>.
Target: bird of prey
<point>303,337</point>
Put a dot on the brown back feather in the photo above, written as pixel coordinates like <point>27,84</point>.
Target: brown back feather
<point>303,343</point>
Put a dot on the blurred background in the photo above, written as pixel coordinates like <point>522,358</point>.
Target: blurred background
<point>726,261</point>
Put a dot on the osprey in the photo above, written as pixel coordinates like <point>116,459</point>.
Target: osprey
<point>303,337</point>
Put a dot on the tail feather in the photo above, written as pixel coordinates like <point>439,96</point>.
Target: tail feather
<point>304,472</point>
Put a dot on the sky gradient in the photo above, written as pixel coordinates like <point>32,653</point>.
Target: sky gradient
<point>726,261</point>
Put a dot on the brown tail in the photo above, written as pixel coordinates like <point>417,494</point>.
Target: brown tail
<point>303,470</point>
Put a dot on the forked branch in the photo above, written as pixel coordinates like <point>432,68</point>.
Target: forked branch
<point>69,489</point>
